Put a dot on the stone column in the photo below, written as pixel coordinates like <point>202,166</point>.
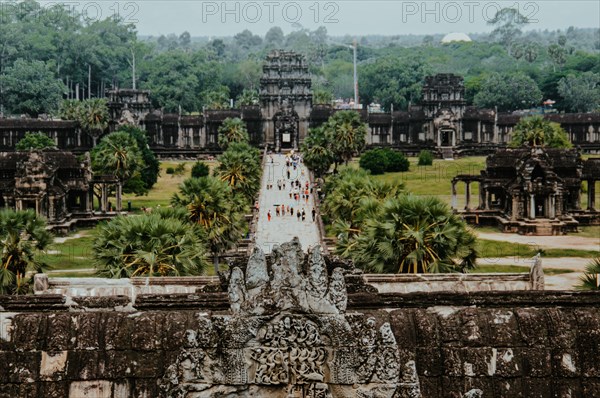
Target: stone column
<point>482,195</point>
<point>591,195</point>
<point>467,195</point>
<point>454,204</point>
<point>119,196</point>
<point>515,207</point>
<point>89,199</point>
<point>486,203</point>
<point>454,137</point>
<point>532,206</point>
<point>551,207</point>
<point>439,138</point>
<point>104,198</point>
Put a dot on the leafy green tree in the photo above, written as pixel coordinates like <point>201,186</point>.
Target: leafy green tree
<point>396,161</point>
<point>247,97</point>
<point>590,279</point>
<point>232,130</point>
<point>558,54</point>
<point>200,169</point>
<point>274,37</point>
<point>345,134</point>
<point>30,87</point>
<point>530,52</point>
<point>22,235</point>
<point>581,93</point>
<point>508,92</point>
<point>413,234</point>
<point>217,99</point>
<point>148,245</point>
<point>322,97</point>
<point>32,141</point>
<point>240,167</point>
<point>91,114</point>
<point>393,81</point>
<point>117,154</point>
<point>214,208</point>
<point>537,131</point>
<point>507,26</point>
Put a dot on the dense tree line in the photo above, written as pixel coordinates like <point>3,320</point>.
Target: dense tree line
<point>49,53</point>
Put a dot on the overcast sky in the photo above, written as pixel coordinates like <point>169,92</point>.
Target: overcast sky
<point>354,17</point>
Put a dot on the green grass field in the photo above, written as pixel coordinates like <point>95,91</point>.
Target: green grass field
<point>493,248</point>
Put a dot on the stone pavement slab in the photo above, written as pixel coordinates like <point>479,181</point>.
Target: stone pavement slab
<point>283,228</point>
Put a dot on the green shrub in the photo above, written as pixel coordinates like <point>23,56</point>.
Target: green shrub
<point>170,170</point>
<point>396,161</point>
<point>379,161</point>
<point>200,169</point>
<point>425,158</point>
<point>374,160</point>
<point>180,169</point>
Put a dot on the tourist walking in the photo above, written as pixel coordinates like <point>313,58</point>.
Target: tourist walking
<point>303,215</point>
<point>298,214</point>
<point>269,215</point>
<point>314,214</point>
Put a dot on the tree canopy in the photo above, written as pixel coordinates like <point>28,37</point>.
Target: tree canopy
<point>537,131</point>
<point>33,141</point>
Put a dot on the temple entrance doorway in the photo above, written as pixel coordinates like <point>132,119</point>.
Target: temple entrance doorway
<point>446,137</point>
<point>540,207</point>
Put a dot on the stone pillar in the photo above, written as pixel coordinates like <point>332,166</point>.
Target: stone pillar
<point>486,203</point>
<point>454,137</point>
<point>482,195</point>
<point>439,138</point>
<point>89,199</point>
<point>532,206</point>
<point>119,196</point>
<point>104,198</point>
<point>467,195</point>
<point>454,204</point>
<point>515,207</point>
<point>591,195</point>
<point>552,207</point>
<point>479,131</point>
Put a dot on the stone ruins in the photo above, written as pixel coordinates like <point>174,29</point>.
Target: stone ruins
<point>300,325</point>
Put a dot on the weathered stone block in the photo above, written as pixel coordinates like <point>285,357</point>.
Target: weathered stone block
<point>426,328</point>
<point>562,327</point>
<point>566,388</point>
<point>118,333</point>
<point>146,331</point>
<point>53,365</point>
<point>565,363</point>
<point>429,362</point>
<point>86,326</point>
<point>509,362</point>
<point>58,335</point>
<point>536,362</point>
<point>474,327</point>
<point>508,388</point>
<point>29,331</point>
<point>404,328</point>
<point>533,326</point>
<point>54,389</point>
<point>84,365</point>
<point>90,389</point>
<point>534,387</point>
<point>504,329</point>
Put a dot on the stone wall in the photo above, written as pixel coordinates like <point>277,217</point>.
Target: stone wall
<point>299,325</point>
<point>534,344</point>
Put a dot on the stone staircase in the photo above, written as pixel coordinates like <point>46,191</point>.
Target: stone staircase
<point>447,153</point>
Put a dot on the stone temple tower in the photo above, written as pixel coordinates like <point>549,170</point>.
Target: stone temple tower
<point>444,105</point>
<point>286,99</point>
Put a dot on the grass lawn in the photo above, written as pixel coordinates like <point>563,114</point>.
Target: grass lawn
<point>589,232</point>
<point>165,187</point>
<point>494,248</point>
<point>73,254</point>
<point>485,269</point>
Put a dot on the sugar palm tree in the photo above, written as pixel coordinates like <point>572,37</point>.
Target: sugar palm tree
<point>345,136</point>
<point>94,117</point>
<point>22,234</point>
<point>537,131</point>
<point>591,278</point>
<point>232,130</point>
<point>212,206</point>
<point>148,245</point>
<point>239,166</point>
<point>414,235</point>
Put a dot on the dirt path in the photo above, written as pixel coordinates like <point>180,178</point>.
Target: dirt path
<point>550,242</point>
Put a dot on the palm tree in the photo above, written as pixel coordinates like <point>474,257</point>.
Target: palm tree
<point>94,117</point>
<point>414,235</point>
<point>591,278</point>
<point>537,131</point>
<point>22,233</point>
<point>118,155</point>
<point>232,130</point>
<point>345,136</point>
<point>315,152</point>
<point>148,245</point>
<point>212,206</point>
<point>239,166</point>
